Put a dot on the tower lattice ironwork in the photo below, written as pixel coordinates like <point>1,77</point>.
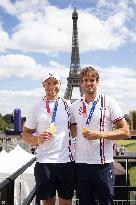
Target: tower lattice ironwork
<point>74,79</point>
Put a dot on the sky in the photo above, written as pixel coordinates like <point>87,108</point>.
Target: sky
<point>36,37</point>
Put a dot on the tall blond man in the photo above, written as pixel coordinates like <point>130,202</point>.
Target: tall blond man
<point>95,115</point>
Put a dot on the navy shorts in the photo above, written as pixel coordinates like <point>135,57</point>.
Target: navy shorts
<point>52,177</point>
<point>95,182</point>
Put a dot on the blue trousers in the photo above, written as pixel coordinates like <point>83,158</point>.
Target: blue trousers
<point>55,176</point>
<point>95,182</point>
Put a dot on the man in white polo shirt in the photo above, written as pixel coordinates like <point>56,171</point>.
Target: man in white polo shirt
<point>49,120</point>
<point>94,115</point>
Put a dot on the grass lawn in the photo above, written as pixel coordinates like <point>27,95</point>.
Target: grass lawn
<point>132,174</point>
<point>130,145</point>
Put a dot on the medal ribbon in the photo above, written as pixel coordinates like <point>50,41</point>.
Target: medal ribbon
<point>91,110</point>
<point>54,110</point>
<point>84,109</point>
<point>47,107</point>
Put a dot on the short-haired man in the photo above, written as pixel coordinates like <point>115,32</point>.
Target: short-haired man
<point>94,115</point>
<point>50,120</point>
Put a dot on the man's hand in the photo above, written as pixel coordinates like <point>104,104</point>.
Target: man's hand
<point>121,131</point>
<point>29,136</point>
<point>91,135</point>
<point>44,136</point>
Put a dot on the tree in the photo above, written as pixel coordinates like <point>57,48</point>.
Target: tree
<point>3,124</point>
<point>7,118</point>
<point>134,120</point>
<point>126,116</point>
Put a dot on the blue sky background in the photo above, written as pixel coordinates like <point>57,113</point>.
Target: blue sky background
<point>36,36</point>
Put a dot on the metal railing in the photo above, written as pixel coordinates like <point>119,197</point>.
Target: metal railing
<point>7,186</point>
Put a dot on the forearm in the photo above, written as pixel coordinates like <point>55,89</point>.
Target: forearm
<point>28,138</point>
<point>121,131</point>
<point>73,130</point>
<point>116,134</point>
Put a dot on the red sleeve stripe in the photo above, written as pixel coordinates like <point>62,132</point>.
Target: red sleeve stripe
<point>117,119</point>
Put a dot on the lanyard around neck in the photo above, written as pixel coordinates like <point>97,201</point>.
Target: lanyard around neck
<point>54,109</point>
<point>84,112</point>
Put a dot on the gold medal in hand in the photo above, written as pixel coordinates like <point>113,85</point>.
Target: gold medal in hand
<point>52,129</point>
<point>85,129</point>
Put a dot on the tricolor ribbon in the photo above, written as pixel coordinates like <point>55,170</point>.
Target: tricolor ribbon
<point>54,110</point>
<point>84,112</point>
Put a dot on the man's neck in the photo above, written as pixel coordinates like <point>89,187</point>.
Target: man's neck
<point>48,97</point>
<point>90,97</point>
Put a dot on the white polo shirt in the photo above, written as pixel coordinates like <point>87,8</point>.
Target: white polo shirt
<point>88,151</point>
<point>58,149</point>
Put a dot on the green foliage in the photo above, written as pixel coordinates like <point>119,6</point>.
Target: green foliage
<point>7,118</point>
<point>129,144</point>
<point>134,120</point>
<point>132,175</point>
<point>5,122</point>
<point>126,116</point>
<point>23,119</point>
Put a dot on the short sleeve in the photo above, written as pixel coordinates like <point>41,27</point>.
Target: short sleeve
<point>31,118</point>
<point>116,112</point>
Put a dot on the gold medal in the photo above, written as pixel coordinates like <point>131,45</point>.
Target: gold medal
<point>52,129</point>
<point>85,129</point>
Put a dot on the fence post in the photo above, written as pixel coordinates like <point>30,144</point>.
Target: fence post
<point>7,194</point>
<point>11,193</point>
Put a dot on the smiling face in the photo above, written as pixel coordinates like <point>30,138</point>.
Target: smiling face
<point>52,87</point>
<point>89,80</point>
<point>89,84</point>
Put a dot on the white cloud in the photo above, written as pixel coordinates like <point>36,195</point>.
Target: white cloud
<point>57,24</point>
<point>114,81</point>
<point>8,6</point>
<point>4,40</point>
<point>133,36</point>
<point>61,69</point>
<point>105,3</point>
<point>25,66</point>
<point>19,7</point>
<point>120,83</point>
<point>106,34</point>
<point>47,29</point>
<point>38,33</point>
<point>19,65</point>
<point>99,35</point>
<point>23,100</point>
<point>43,28</point>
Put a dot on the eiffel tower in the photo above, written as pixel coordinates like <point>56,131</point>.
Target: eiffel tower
<point>74,79</point>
